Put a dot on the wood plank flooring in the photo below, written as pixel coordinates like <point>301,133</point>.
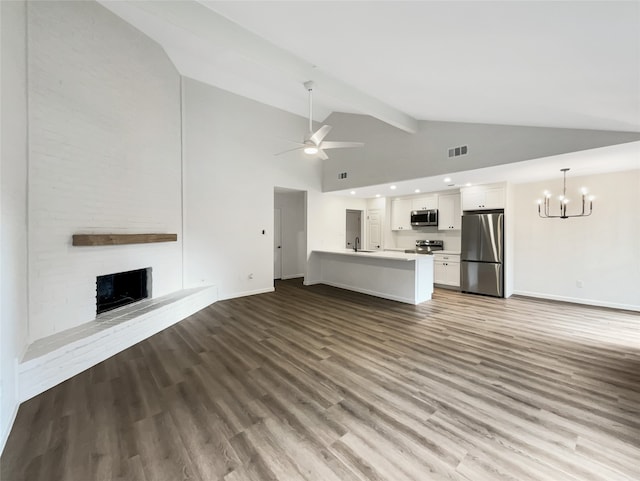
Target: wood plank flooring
<point>320,384</point>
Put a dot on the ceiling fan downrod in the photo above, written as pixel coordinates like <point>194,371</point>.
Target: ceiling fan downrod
<point>309,86</point>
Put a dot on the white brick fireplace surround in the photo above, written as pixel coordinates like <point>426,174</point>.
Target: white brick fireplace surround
<point>97,165</point>
<point>105,157</point>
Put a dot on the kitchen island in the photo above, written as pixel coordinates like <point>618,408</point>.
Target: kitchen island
<point>397,276</point>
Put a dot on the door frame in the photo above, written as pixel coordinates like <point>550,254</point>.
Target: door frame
<point>277,243</point>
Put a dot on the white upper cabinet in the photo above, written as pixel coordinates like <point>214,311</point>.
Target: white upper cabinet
<point>449,212</point>
<point>401,214</point>
<point>424,203</point>
<point>481,197</point>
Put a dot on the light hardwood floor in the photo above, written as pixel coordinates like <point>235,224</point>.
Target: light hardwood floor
<point>320,384</point>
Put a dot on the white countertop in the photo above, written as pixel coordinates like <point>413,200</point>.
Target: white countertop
<point>401,256</point>
<point>450,253</point>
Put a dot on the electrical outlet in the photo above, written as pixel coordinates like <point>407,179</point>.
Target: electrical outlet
<point>251,276</point>
<point>579,284</point>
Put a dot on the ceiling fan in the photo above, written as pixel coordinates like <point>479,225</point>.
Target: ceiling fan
<point>314,143</point>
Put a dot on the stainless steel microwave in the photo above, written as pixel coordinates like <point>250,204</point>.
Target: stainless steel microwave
<point>421,218</point>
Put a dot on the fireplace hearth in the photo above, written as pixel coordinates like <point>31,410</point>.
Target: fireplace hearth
<point>122,288</point>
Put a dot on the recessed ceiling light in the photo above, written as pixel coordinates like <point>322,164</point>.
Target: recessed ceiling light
<point>377,195</point>
<point>468,184</point>
<point>353,192</point>
<point>417,191</point>
<point>393,187</point>
<point>447,179</point>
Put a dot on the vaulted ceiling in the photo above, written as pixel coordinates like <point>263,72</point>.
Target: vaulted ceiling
<point>554,64</point>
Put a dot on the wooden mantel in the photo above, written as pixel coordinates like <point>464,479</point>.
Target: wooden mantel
<point>120,239</point>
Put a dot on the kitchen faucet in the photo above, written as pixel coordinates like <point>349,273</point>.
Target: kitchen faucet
<point>355,244</point>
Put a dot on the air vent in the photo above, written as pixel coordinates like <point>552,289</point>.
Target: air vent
<point>458,151</point>
<point>342,175</point>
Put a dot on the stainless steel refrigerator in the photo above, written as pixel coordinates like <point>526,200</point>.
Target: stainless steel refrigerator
<point>482,253</point>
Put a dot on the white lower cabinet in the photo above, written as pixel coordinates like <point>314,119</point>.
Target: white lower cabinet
<point>446,270</point>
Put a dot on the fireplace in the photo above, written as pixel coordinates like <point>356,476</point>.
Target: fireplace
<point>122,288</point>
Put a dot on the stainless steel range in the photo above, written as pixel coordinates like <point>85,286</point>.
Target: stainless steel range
<point>427,246</point>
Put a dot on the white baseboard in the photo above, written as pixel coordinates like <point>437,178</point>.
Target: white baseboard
<point>4,435</point>
<point>292,276</point>
<point>577,300</point>
<point>247,293</point>
<point>57,358</point>
<point>382,295</point>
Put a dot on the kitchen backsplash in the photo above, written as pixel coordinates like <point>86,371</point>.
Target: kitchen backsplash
<point>407,239</point>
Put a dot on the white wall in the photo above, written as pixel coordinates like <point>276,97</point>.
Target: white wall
<point>230,176</point>
<point>104,135</point>
<point>602,251</point>
<point>13,211</point>
<point>328,218</point>
<point>292,206</point>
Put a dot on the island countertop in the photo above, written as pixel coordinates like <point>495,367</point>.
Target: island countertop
<point>403,256</point>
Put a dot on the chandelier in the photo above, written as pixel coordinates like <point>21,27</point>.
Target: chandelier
<point>545,214</point>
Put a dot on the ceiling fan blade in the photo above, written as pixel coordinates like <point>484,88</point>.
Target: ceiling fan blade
<point>320,134</point>
<point>340,145</point>
<point>290,150</point>
<point>322,155</point>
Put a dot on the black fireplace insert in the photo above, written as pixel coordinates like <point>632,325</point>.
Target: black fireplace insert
<point>122,288</point>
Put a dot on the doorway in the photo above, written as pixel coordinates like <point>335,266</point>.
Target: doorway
<point>277,244</point>
<point>289,233</point>
<point>374,229</point>
<point>354,229</point>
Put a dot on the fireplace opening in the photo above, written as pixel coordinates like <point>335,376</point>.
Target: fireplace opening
<point>122,288</point>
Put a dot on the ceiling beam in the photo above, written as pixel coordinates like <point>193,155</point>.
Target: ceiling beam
<point>192,23</point>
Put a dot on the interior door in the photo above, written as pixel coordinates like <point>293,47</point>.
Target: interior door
<point>374,229</point>
<point>353,229</point>
<point>277,244</point>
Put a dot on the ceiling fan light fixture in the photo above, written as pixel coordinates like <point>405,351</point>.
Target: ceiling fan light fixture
<point>311,150</point>
<point>314,143</point>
